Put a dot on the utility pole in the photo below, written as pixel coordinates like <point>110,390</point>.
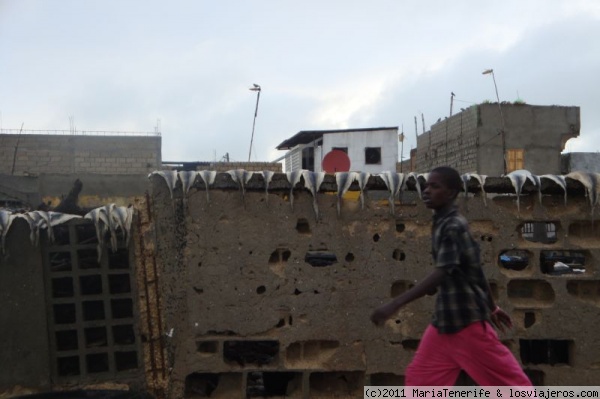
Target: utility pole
<point>502,132</point>
<point>257,89</point>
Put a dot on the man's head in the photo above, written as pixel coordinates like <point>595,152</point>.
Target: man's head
<point>442,187</point>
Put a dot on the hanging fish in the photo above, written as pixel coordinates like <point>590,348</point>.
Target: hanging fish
<point>6,219</point>
<point>362,178</point>
<point>591,184</point>
<point>560,180</point>
<point>415,176</point>
<point>241,177</point>
<point>313,181</point>
<point>293,178</point>
<point>170,177</point>
<point>394,182</point>
<point>481,179</point>
<point>208,177</point>
<point>33,228</point>
<point>518,179</point>
<point>123,217</point>
<point>100,220</point>
<point>187,178</point>
<point>267,176</point>
<point>343,181</point>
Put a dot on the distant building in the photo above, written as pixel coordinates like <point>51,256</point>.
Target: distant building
<point>584,161</point>
<point>531,136</point>
<point>371,150</point>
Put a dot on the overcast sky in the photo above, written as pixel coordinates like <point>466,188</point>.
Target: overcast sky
<point>123,65</point>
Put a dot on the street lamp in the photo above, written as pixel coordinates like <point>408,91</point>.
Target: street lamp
<point>502,133</point>
<point>255,88</point>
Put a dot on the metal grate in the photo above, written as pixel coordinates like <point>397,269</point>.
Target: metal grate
<point>92,317</point>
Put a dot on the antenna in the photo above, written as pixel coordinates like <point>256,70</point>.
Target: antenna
<point>72,124</point>
<point>423,121</point>
<point>451,101</point>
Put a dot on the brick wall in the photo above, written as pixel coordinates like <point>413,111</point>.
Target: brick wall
<point>37,154</point>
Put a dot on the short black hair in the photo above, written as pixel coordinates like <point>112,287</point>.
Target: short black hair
<point>451,178</point>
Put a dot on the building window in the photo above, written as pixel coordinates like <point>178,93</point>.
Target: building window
<point>308,158</point>
<point>342,149</point>
<point>373,155</point>
<point>90,305</point>
<point>515,159</point>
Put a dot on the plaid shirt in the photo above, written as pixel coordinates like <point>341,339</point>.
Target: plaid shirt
<point>462,297</point>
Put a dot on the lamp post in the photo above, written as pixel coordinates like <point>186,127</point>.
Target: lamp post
<point>255,88</point>
<point>502,133</point>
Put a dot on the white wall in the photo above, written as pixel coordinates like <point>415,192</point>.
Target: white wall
<point>357,142</point>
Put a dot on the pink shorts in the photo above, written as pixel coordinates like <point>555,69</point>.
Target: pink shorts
<point>474,349</point>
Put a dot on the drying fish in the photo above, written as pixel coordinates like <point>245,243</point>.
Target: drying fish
<point>394,182</point>
<point>293,178</point>
<point>170,177</point>
<point>343,181</point>
<point>313,181</point>
<point>560,180</point>
<point>208,177</point>
<point>362,178</point>
<point>241,177</point>
<point>267,176</point>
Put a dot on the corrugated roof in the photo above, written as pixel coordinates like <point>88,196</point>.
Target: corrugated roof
<point>307,136</point>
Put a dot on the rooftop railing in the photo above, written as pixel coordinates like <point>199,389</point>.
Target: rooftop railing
<point>78,132</point>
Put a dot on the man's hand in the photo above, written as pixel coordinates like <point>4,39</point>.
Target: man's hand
<point>382,313</point>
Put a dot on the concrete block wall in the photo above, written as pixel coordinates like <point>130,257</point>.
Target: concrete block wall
<point>36,153</point>
<point>452,142</point>
<point>264,298</point>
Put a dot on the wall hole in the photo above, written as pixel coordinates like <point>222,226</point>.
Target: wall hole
<point>320,258</point>
<point>62,287</point>
<point>285,255</point>
<point>387,379</point>
<point>95,337</point>
<point>514,259</point>
<point>557,263</point>
<point>542,232</point>
<point>350,382</point>
<point>64,313</point>
<point>302,226</point>
<point>537,377</point>
<point>297,291</point>
<point>530,293</point>
<point>545,351</point>
<point>376,237</point>
<point>250,352</point>
<point>87,259</point>
<point>585,290</point>
<point>201,384</point>
<point>126,360</point>
<point>274,258</point>
<point>118,259</point>
<point>486,237</point>
<point>410,344</point>
<point>66,340</point>
<point>261,289</point>
<point>68,366</point>
<point>93,310</point>
<point>399,255</point>
<point>123,335</point>
<point>400,227</point>
<point>349,257</point>
<point>272,383</point>
<point>96,362</point>
<point>90,285</point>
<point>121,308</point>
<point>86,233</point>
<point>529,319</point>
<point>207,346</point>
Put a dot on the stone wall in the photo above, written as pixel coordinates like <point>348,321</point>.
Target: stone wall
<point>260,297</point>
<point>37,153</point>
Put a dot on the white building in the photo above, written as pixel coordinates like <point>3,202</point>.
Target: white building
<point>372,150</point>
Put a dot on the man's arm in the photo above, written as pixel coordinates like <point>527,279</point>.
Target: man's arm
<point>426,286</point>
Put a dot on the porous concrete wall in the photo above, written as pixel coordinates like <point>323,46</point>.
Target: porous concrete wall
<point>252,306</point>
<point>37,153</point>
